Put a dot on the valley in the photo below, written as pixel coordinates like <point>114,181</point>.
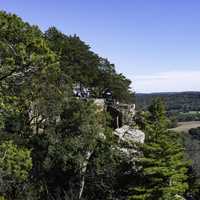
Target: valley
<point>186,126</point>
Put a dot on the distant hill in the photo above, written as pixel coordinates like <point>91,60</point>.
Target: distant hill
<point>175,101</point>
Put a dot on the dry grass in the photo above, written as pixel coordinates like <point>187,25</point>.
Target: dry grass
<point>186,126</point>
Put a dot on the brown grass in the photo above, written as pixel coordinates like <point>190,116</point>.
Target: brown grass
<point>186,126</point>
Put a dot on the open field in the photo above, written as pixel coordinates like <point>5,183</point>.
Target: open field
<point>186,126</point>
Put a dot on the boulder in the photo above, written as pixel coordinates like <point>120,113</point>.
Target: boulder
<point>126,133</point>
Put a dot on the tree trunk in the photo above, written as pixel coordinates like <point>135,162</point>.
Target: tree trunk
<point>83,172</point>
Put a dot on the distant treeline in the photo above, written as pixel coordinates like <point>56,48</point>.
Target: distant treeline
<point>175,101</point>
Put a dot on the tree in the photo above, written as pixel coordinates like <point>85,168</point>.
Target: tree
<point>61,146</point>
<point>15,165</point>
<point>76,59</point>
<point>163,169</point>
<point>31,83</point>
<point>32,87</point>
<point>66,151</point>
<point>85,68</point>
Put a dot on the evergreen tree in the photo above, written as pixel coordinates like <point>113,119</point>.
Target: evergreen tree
<point>85,68</point>
<point>15,165</point>
<point>163,169</point>
<point>67,140</point>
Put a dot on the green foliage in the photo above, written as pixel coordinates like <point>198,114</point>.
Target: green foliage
<point>38,74</point>
<point>15,165</point>
<point>163,169</point>
<point>175,101</point>
<point>188,116</point>
<point>31,83</point>
<point>61,147</point>
<point>191,142</point>
<point>14,161</point>
<point>183,106</point>
<point>78,131</point>
<point>76,58</point>
<point>195,132</point>
<point>78,62</point>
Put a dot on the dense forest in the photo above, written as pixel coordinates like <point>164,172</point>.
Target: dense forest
<point>50,130</point>
<point>175,101</point>
<point>185,106</point>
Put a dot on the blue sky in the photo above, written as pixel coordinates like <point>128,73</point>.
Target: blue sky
<point>155,43</point>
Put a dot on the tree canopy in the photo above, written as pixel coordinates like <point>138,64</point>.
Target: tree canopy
<point>56,146</point>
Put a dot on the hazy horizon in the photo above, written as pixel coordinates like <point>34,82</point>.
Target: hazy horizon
<point>167,92</point>
<point>154,43</point>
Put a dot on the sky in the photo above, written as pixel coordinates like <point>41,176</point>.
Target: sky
<point>155,43</point>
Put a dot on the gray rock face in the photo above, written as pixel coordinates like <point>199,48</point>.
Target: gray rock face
<point>126,133</point>
<point>128,140</point>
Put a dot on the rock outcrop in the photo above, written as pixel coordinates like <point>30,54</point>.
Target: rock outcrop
<point>128,140</point>
<point>128,134</point>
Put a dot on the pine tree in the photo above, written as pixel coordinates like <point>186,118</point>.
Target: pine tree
<point>163,170</point>
<point>15,165</point>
